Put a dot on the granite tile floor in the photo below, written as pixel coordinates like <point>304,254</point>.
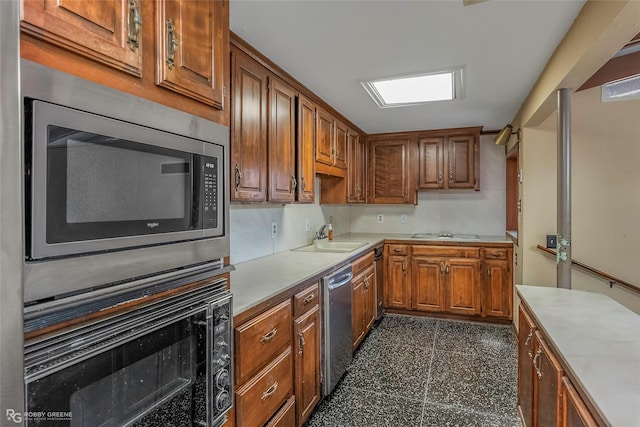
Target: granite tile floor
<point>417,371</point>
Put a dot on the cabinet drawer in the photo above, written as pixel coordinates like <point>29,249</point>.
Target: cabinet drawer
<point>398,249</point>
<point>260,397</point>
<point>446,251</point>
<point>259,340</point>
<point>362,263</point>
<point>286,416</point>
<point>496,253</point>
<point>306,299</point>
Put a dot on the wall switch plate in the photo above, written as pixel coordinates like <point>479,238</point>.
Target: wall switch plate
<point>274,229</point>
<point>307,224</point>
<point>380,218</point>
<point>551,241</point>
<point>403,218</point>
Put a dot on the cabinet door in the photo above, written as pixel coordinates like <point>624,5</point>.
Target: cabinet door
<point>307,363</point>
<point>547,377</point>
<point>428,275</point>
<point>356,168</point>
<point>498,293</point>
<point>340,144</point>
<point>248,129</point>
<point>574,411</point>
<point>357,310</point>
<point>462,161</point>
<point>324,137</point>
<point>525,367</point>
<point>431,168</point>
<point>306,149</point>
<point>282,127</point>
<point>397,289</point>
<point>190,49</point>
<point>370,305</point>
<point>390,171</point>
<point>106,31</point>
<point>462,288</point>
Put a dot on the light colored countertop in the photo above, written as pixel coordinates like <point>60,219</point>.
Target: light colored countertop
<point>599,341</point>
<point>258,280</point>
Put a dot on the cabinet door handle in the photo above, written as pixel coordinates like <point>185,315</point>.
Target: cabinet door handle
<point>269,335</point>
<point>494,254</point>
<point>308,299</point>
<point>446,270</point>
<point>172,44</point>
<point>303,183</point>
<point>294,183</point>
<point>535,363</point>
<point>489,273</point>
<point>450,176</point>
<point>440,177</point>
<point>442,268</point>
<point>397,250</point>
<point>527,341</point>
<point>270,391</point>
<point>301,341</point>
<point>366,283</point>
<point>134,24</point>
<point>238,177</point>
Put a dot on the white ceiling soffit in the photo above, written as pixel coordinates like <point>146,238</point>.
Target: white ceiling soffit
<point>331,46</point>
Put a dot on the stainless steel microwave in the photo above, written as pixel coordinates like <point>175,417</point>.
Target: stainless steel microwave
<point>117,187</point>
<point>99,184</point>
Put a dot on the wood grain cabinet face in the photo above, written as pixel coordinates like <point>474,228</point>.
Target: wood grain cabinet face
<point>324,137</point>
<point>306,338</point>
<point>190,49</point>
<point>248,130</point>
<point>282,142</point>
<point>357,310</point>
<point>428,283</point>
<point>574,411</point>
<point>106,31</point>
<point>370,303</point>
<point>526,331</point>
<point>390,172</point>
<point>547,378</point>
<point>356,169</point>
<point>497,289</point>
<point>397,291</point>
<point>306,150</point>
<point>340,144</point>
<point>462,286</point>
<point>449,161</point>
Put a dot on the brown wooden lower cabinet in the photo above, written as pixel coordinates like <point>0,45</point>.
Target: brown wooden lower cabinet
<point>449,279</point>
<point>363,304</point>
<point>306,332</point>
<point>546,397</point>
<point>286,416</point>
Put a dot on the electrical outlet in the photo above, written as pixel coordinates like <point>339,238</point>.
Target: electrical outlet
<point>403,218</point>
<point>274,229</point>
<point>307,224</point>
<point>380,218</point>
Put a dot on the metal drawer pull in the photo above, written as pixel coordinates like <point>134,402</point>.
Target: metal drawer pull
<point>535,363</point>
<point>301,341</point>
<point>526,343</point>
<point>270,391</point>
<point>134,24</point>
<point>397,250</point>
<point>238,177</point>
<point>172,44</point>
<point>495,254</point>
<point>309,298</point>
<point>269,335</point>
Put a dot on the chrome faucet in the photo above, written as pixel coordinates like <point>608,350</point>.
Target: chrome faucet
<point>322,234</point>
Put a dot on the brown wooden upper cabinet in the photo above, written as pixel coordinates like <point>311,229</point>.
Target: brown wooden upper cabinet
<point>331,144</point>
<point>390,173</point>
<point>306,149</point>
<point>248,129</point>
<point>449,159</point>
<point>109,32</point>
<point>282,142</point>
<point>190,49</point>
<point>356,170</point>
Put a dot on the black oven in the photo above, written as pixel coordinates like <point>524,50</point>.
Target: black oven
<point>167,362</point>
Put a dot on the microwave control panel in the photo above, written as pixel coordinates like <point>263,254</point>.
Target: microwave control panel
<point>209,192</point>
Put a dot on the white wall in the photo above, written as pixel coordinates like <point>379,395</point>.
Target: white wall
<point>605,195</point>
<point>461,211</point>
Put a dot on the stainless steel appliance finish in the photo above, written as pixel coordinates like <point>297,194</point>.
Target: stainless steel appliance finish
<point>378,257</point>
<point>337,336</point>
<point>167,362</point>
<point>11,216</point>
<point>53,278</point>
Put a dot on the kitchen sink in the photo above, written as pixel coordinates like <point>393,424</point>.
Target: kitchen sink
<point>445,236</point>
<point>330,246</point>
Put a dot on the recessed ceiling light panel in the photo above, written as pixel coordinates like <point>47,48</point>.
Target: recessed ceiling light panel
<point>622,90</point>
<point>415,89</point>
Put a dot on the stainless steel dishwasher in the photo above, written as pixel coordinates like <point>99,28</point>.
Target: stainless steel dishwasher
<point>337,335</point>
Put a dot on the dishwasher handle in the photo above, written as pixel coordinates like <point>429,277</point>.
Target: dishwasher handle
<point>344,280</point>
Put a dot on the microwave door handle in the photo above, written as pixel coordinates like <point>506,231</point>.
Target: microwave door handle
<point>197,189</point>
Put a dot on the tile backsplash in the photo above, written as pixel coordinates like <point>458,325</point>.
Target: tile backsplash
<point>461,211</point>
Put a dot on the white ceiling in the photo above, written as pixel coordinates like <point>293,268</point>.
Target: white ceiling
<point>330,46</point>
